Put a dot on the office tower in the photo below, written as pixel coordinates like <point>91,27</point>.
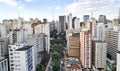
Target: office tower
<point>3,64</point>
<point>44,20</point>
<point>22,59</point>
<point>3,46</point>
<point>86,49</point>
<point>73,43</point>
<point>102,19</point>
<point>27,30</point>
<point>62,21</point>
<point>100,55</point>
<point>58,26</point>
<point>101,32</point>
<point>73,22</point>
<point>69,22</point>
<point>3,30</point>
<point>94,29</point>
<point>45,29</point>
<point>77,24</point>
<point>86,18</point>
<point>52,26</point>
<point>116,22</point>
<point>111,38</point>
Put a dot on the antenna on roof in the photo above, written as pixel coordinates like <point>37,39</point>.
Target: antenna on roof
<point>53,14</point>
<point>119,14</point>
<point>91,14</point>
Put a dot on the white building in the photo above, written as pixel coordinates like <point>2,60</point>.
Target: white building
<point>3,64</point>
<point>3,30</point>
<point>12,49</point>
<point>69,22</point>
<point>118,61</point>
<point>101,32</point>
<point>27,30</point>
<point>77,24</point>
<point>23,60</point>
<point>100,55</point>
<point>44,29</point>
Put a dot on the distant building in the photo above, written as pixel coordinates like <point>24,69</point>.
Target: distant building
<point>69,22</point>
<point>3,30</point>
<point>44,29</point>
<point>77,24</point>
<point>52,26</point>
<point>102,19</point>
<point>73,22</point>
<point>62,21</point>
<point>86,18</point>
<point>3,64</point>
<point>116,22</point>
<point>44,20</point>
<point>100,32</point>
<point>86,49</point>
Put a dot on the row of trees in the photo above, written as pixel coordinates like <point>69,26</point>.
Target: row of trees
<point>57,44</point>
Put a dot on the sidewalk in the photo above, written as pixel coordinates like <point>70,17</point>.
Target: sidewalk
<point>48,65</point>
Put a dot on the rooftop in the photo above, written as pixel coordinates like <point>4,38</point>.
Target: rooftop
<point>24,48</point>
<point>2,58</point>
<point>75,66</point>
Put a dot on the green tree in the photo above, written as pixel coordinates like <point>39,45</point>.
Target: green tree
<point>40,68</point>
<point>56,66</point>
<point>59,48</point>
<point>56,55</point>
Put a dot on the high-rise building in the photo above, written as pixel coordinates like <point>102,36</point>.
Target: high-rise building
<point>44,29</point>
<point>86,49</point>
<point>3,46</point>
<point>52,25</point>
<point>23,60</point>
<point>39,43</point>
<point>100,32</point>
<point>73,44</point>
<point>102,19</point>
<point>100,55</point>
<point>44,20</point>
<point>62,21</point>
<point>3,64</point>
<point>86,18</point>
<point>111,38</point>
<point>12,57</point>
<point>77,24</point>
<point>69,22</point>
<point>118,61</point>
<point>3,30</point>
<point>73,22</point>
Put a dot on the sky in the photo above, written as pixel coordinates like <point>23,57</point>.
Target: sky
<point>52,9</point>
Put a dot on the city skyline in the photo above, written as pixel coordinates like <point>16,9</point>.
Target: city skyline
<point>11,9</point>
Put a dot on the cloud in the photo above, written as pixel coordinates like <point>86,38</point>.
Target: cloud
<point>57,8</point>
<point>96,6</point>
<point>28,0</point>
<point>50,7</point>
<point>14,3</point>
